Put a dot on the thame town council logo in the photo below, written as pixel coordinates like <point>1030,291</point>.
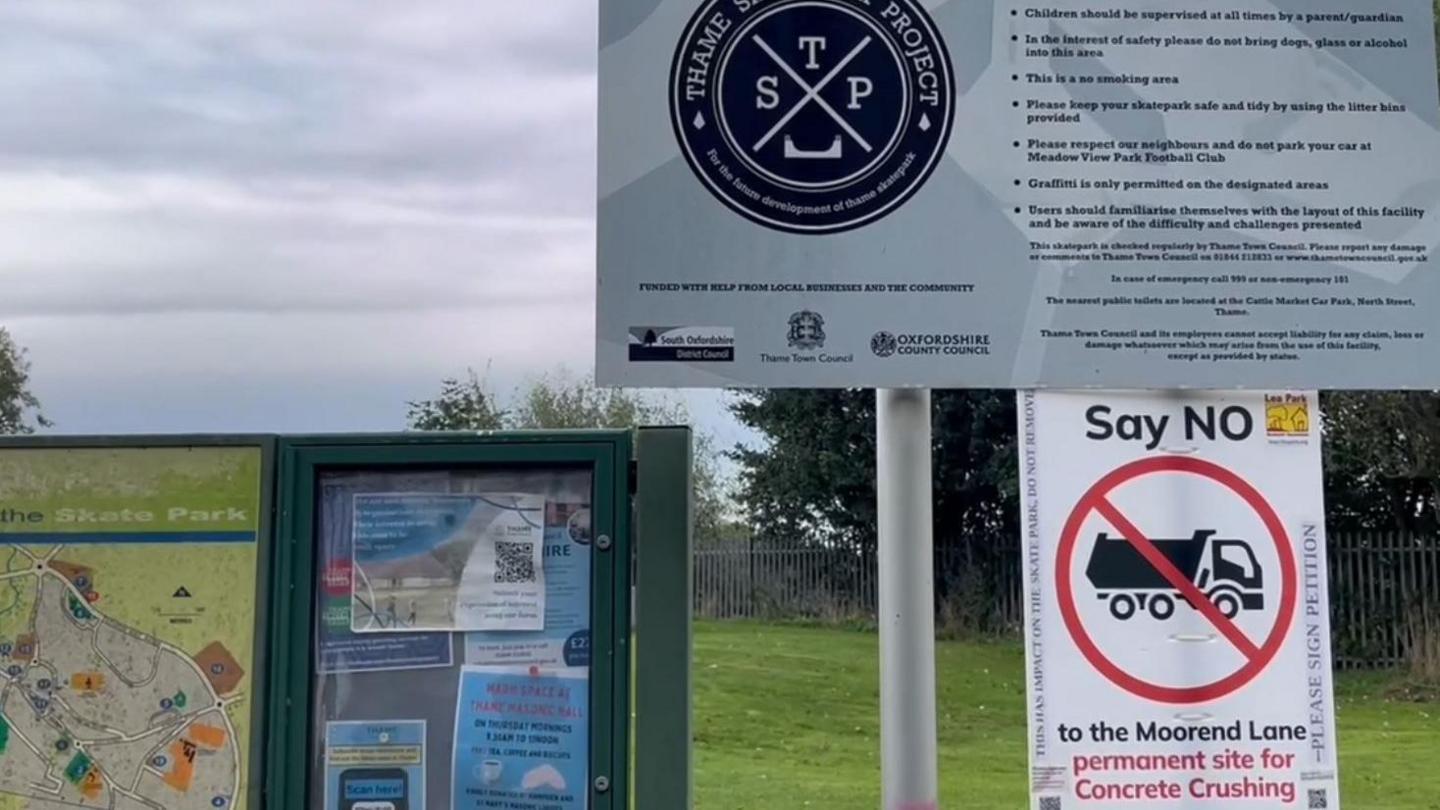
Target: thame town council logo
<point>807,331</point>
<point>812,116</point>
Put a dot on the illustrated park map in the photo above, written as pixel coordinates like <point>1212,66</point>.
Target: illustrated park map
<point>128,582</point>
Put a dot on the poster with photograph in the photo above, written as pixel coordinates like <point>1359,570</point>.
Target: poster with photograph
<point>448,562</point>
<point>339,649</point>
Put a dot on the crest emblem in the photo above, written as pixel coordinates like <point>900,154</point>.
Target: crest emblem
<point>807,331</point>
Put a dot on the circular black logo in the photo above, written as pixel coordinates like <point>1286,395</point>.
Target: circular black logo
<point>812,116</point>
<point>884,344</point>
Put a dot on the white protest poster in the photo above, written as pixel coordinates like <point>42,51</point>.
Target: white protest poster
<point>1177,630</point>
<point>448,562</point>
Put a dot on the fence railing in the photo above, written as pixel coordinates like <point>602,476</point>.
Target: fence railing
<point>1384,597</point>
<point>1384,590</point>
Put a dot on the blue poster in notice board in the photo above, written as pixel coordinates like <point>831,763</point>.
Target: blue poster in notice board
<point>521,739</point>
<point>340,649</point>
<point>375,765</point>
<point>565,641</point>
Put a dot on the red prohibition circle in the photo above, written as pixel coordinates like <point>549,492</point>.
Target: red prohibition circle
<point>1096,499</point>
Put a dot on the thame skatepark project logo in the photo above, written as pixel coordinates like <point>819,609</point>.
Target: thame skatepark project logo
<point>812,116</point>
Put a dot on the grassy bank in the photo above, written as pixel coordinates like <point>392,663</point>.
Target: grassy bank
<point>787,718</point>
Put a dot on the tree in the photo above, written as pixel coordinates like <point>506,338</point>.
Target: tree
<point>461,405</point>
<point>1382,459</point>
<point>19,408</point>
<point>814,479</point>
<point>813,483</point>
<point>559,401</point>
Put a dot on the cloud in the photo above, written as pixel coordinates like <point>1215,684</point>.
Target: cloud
<point>265,194</point>
<point>447,91</point>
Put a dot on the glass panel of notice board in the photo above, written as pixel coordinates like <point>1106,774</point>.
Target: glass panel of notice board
<point>452,639</point>
<point>457,638</point>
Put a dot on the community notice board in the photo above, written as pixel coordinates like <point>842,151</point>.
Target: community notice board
<point>1177,610</point>
<point>1149,193</point>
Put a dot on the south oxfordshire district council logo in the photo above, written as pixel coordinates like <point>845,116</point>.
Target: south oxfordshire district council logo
<point>812,116</point>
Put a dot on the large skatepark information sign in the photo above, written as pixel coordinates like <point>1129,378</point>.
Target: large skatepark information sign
<point>1067,194</point>
<point>1177,613</point>
<point>129,580</point>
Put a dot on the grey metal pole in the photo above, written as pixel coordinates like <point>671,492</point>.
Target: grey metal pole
<point>909,760</point>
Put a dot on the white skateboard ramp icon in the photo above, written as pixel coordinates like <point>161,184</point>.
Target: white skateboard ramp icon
<point>835,152</point>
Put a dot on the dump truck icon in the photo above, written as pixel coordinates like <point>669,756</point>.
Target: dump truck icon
<point>1226,571</point>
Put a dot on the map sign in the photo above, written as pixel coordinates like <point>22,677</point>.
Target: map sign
<point>1131,194</point>
<point>1177,619</point>
<point>128,588</point>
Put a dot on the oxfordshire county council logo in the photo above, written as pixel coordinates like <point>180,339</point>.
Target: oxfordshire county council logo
<point>807,331</point>
<point>884,344</point>
<point>812,116</point>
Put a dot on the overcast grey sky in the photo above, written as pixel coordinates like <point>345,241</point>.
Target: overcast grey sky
<point>293,216</point>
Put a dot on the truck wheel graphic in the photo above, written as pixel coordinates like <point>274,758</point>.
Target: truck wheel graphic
<point>1162,607</point>
<point>1122,606</point>
<point>1227,602</point>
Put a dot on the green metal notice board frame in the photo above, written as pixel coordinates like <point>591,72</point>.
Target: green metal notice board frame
<point>606,455</point>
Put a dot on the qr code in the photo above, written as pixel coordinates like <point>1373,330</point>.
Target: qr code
<point>1319,799</point>
<point>514,562</point>
<point>1050,803</point>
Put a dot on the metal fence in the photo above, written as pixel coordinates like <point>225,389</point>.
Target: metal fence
<point>832,584</point>
<point>1384,590</point>
<point>1384,597</point>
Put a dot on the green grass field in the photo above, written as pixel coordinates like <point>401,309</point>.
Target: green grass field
<point>787,717</point>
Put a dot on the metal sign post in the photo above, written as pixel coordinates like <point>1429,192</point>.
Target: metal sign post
<point>909,761</point>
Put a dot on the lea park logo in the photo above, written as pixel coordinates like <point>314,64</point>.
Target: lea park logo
<point>1287,416</point>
